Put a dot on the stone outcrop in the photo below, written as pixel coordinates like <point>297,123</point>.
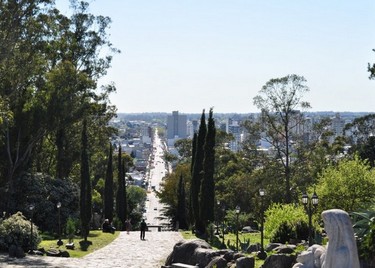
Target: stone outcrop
<point>279,261</point>
<point>198,252</point>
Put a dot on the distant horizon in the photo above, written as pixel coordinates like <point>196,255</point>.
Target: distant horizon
<point>190,55</point>
<point>243,113</point>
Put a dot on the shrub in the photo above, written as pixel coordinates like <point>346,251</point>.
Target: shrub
<point>281,219</point>
<point>70,229</point>
<point>16,230</point>
<point>283,234</point>
<point>302,230</point>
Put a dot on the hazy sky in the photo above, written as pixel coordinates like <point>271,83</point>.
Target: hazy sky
<point>189,55</point>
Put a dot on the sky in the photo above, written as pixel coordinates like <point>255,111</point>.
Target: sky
<point>190,55</point>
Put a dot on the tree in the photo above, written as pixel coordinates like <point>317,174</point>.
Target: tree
<point>279,101</point>
<point>197,175</point>
<point>349,186</point>
<point>120,197</point>
<point>108,188</point>
<point>207,191</point>
<point>85,196</point>
<point>181,205</point>
<point>371,69</point>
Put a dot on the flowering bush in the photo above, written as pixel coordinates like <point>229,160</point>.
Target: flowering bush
<point>16,230</point>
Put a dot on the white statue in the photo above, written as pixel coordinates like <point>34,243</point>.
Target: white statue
<point>341,251</point>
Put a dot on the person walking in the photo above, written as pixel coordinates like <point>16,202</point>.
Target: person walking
<point>128,226</point>
<point>143,229</point>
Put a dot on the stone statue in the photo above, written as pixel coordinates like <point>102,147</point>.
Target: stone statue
<point>341,251</point>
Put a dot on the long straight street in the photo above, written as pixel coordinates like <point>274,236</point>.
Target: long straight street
<point>157,170</point>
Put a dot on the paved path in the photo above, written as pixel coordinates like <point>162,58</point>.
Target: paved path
<point>126,251</point>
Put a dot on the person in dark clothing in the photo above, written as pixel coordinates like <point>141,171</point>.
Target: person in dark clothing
<point>143,229</point>
<point>107,227</point>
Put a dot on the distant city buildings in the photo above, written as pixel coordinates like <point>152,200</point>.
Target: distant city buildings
<point>136,131</point>
<point>176,127</point>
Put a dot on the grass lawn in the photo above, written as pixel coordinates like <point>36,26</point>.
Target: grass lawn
<point>96,240</point>
<point>231,239</point>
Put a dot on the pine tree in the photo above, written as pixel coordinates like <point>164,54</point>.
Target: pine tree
<point>85,200</point>
<point>108,187</point>
<point>197,175</point>
<point>207,192</point>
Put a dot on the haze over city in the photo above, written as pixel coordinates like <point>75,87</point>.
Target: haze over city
<point>193,55</point>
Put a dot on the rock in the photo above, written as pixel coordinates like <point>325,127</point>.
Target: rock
<point>285,249</point>
<point>184,251</point>
<point>217,262</point>
<point>65,254</point>
<point>279,261</point>
<point>199,252</point>
<point>253,248</point>
<point>245,262</point>
<point>53,252</point>
<point>272,246</point>
<point>69,246</point>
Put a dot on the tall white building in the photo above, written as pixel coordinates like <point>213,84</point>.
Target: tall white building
<point>176,127</point>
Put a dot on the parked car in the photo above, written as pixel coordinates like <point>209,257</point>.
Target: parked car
<point>248,229</point>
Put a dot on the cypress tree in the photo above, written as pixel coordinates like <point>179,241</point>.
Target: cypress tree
<point>197,175</point>
<point>85,194</point>
<point>124,170</point>
<point>120,204</point>
<point>108,187</point>
<point>181,204</point>
<point>194,148</point>
<point>207,192</point>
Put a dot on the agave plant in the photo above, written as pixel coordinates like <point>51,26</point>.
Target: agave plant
<point>362,223</point>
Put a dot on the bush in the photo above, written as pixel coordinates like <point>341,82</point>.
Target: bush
<point>70,229</point>
<point>302,230</point>
<point>282,221</point>
<point>283,234</point>
<point>16,230</point>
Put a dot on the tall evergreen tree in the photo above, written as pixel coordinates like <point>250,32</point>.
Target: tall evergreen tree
<point>207,192</point>
<point>85,202</point>
<point>124,170</point>
<point>181,204</point>
<point>197,174</point>
<point>120,204</point>
<point>108,188</point>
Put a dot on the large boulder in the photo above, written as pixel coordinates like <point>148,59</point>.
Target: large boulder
<point>217,262</point>
<point>245,262</point>
<point>197,252</point>
<point>279,261</point>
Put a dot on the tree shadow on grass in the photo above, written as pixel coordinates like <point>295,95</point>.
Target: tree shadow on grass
<point>84,245</point>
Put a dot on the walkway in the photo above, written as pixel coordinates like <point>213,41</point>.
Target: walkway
<point>127,251</point>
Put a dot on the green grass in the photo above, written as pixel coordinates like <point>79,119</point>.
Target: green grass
<point>231,238</point>
<point>96,240</point>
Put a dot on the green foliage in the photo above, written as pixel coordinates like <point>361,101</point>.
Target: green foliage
<point>366,246</point>
<point>283,233</point>
<point>207,190</point>
<point>350,186</point>
<point>16,230</point>
<point>108,188</point>
<point>197,174</point>
<point>70,229</point>
<point>85,194</point>
<point>44,192</point>
<point>279,215</point>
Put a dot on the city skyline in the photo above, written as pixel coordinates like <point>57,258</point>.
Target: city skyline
<point>192,55</point>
